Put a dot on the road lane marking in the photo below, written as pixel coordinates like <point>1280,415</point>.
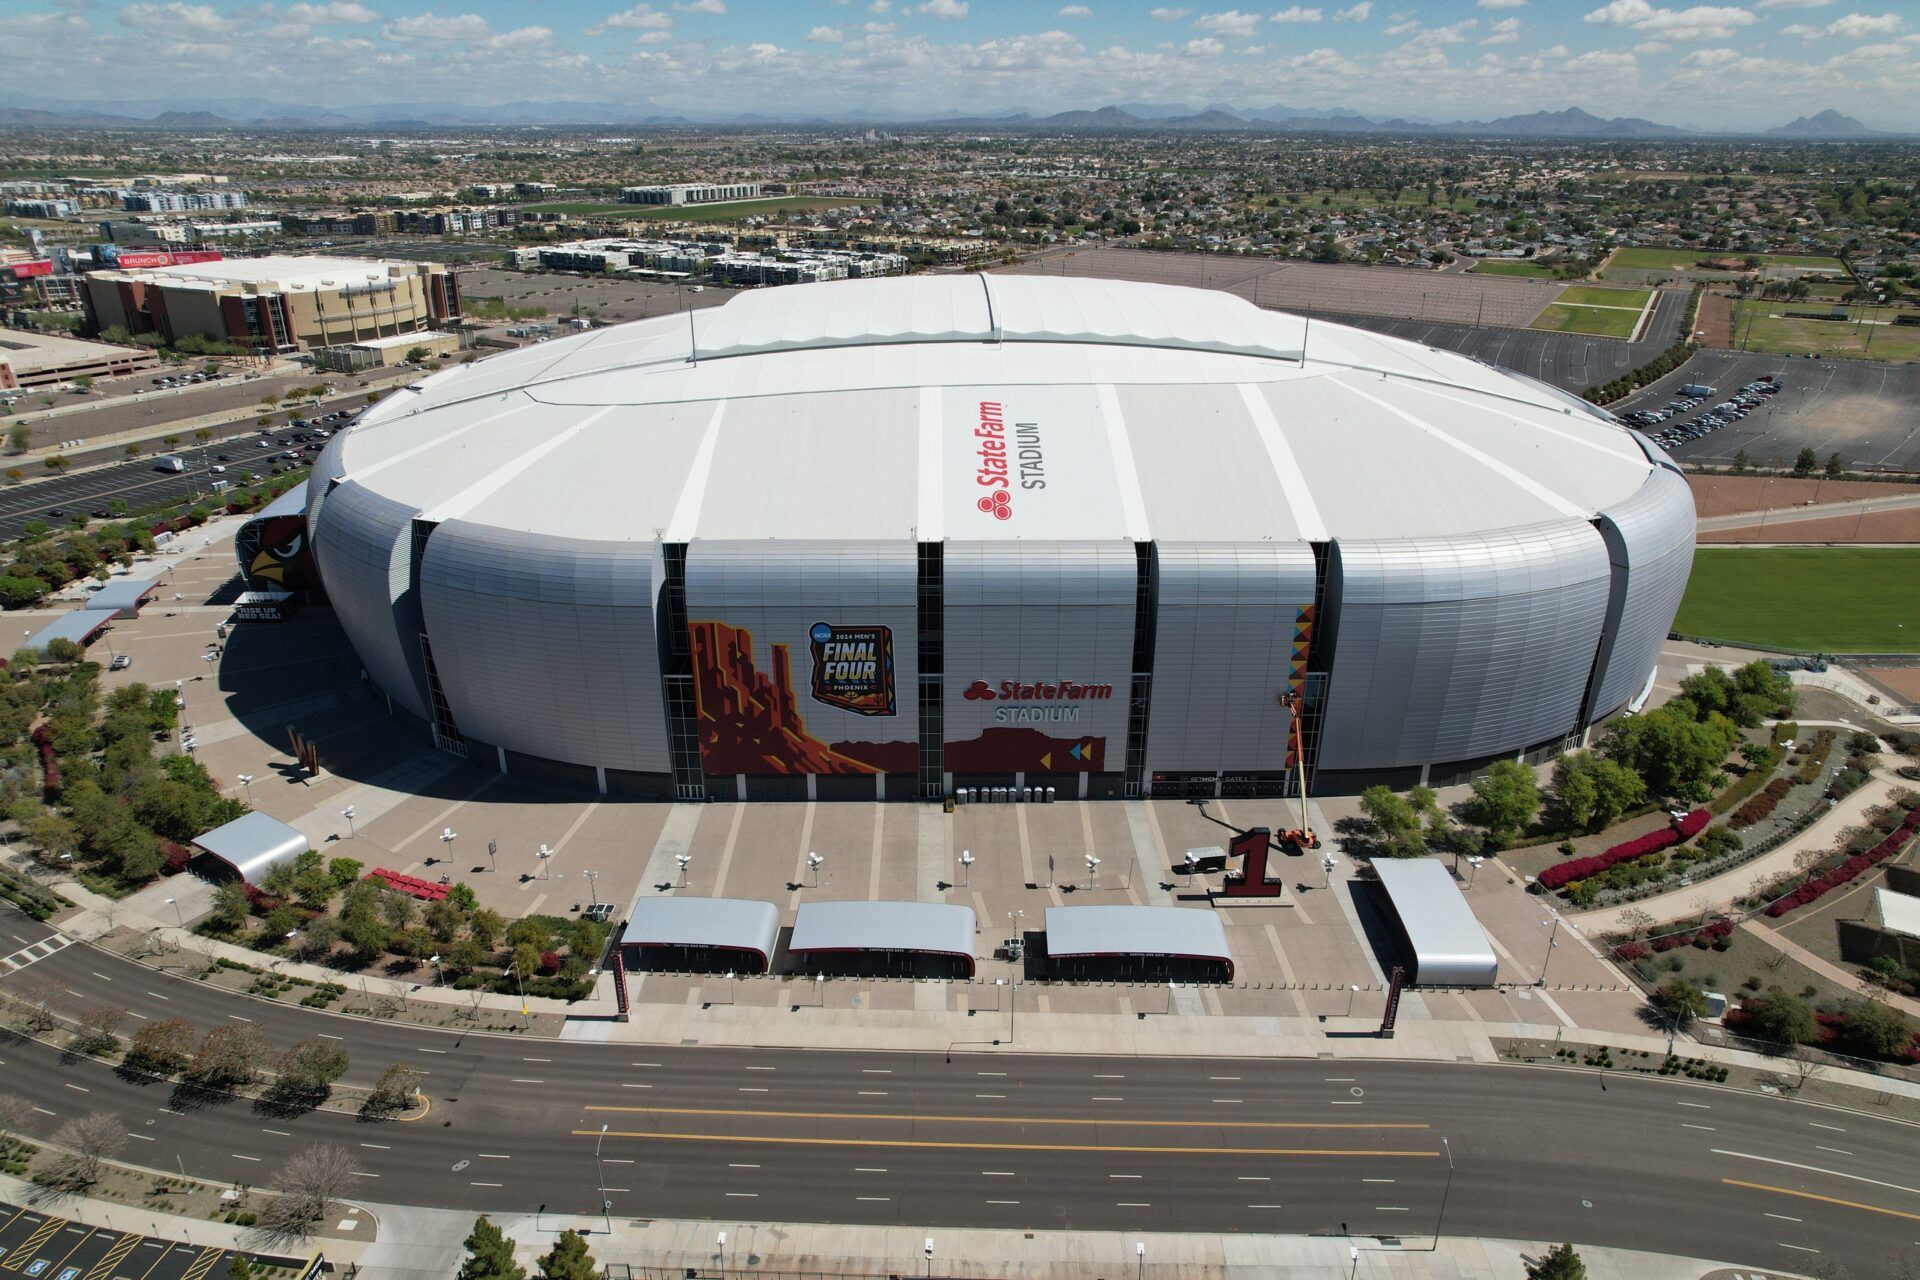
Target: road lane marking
<point>1817,1125</point>
<point>748,1088</point>
<point>882,1199</point>
<point>636,1086</point>
<point>376,1146</point>
<point>1782,1216</point>
<point>731,1166</point>
<point>1234,1079</point>
<point>1809,1195</point>
<point>1709,1128</point>
<point>1798,1247</point>
<point>1701,1105</point>
<point>1376,1179</point>
<point>157,996</point>
<point>103,977</point>
<point>1124,1175</point>
<point>1108,1077</point>
<point>238,1156</point>
<point>143,1137</point>
<point>1107,1099</point>
<point>990,1073</point>
<point>744,1195</point>
<point>439,1051</point>
<point>611,1160</point>
<point>867,1169</point>
<point>1837,1151</point>
<point>80,1088</point>
<point>645,1064</point>
<point>483,1184</point>
<point>984,1119</point>
<point>278,1133</point>
<point>1391,1208</point>
<point>237,1018</point>
<point>763,1068</point>
<point>329,1036</point>
<point>989,1095</point>
<point>359,1174</point>
<point>1253,1177</point>
<point>1813,1168</point>
<point>1227,1100</point>
<point>524,1080</point>
<point>876,1071</point>
<point>873,1093</point>
<point>996,1173</point>
<point>485,1155</point>
<point>536,1059</point>
<point>1003,1202</point>
<point>924,1144</point>
<point>1266,1206</point>
<point>1133,1204</point>
<point>1340,1079</point>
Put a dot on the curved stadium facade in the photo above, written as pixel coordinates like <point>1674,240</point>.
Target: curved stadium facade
<point>889,537</point>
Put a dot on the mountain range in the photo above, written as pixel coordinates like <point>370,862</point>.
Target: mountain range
<point>1131,117</point>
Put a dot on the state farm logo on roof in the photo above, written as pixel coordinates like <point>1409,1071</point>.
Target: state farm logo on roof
<point>999,461</point>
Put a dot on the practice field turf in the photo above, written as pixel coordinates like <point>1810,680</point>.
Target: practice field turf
<point>1604,319</point>
<point>1868,332</point>
<point>1593,295</point>
<point>1683,259</point>
<point>1815,599</point>
<point>1508,267</point>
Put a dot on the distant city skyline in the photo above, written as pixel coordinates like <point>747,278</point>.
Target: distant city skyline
<point>1713,67</point>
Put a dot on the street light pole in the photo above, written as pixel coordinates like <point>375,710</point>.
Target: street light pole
<point>347,813</point>
<point>600,1180</point>
<point>447,836</point>
<point>544,855</point>
<point>1446,1191</point>
<point>246,782</point>
<point>175,904</point>
<point>966,868</point>
<point>1552,941</point>
<point>592,890</point>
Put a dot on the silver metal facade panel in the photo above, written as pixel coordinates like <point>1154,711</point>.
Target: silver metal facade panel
<point>1038,614</point>
<point>1136,931</point>
<point>364,544</point>
<point>1650,541</point>
<point>1222,646</point>
<point>1450,949</point>
<point>327,468</point>
<point>939,928</point>
<point>254,844</point>
<point>779,591</point>
<point>547,645</point>
<point>740,924</point>
<point>1454,648</point>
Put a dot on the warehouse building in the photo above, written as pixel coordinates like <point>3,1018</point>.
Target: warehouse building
<point>885,538</point>
<point>691,193</point>
<point>277,303</point>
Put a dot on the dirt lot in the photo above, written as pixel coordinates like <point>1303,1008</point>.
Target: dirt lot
<point>1901,681</point>
<point>610,299</point>
<point>1733,495</point>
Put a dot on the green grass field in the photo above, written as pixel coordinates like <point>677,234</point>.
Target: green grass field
<point>1509,267</point>
<point>1765,326</point>
<point>1683,259</point>
<point>1817,599</point>
<point>1591,295</point>
<point>726,212</point>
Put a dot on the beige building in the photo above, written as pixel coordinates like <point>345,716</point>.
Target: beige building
<point>382,353</point>
<point>276,303</point>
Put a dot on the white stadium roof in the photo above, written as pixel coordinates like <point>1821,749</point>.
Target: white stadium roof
<point>850,411</point>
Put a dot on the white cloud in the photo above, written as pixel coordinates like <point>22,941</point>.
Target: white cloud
<point>942,8</point>
<point>880,28</point>
<point>705,6</point>
<point>1647,48</point>
<point>1505,31</point>
<point>1164,14</point>
<point>1297,14</point>
<point>642,17</point>
<point>176,19</point>
<point>1558,51</point>
<point>1600,58</point>
<point>646,38</point>
<point>1795,4</point>
<point>1858,26</point>
<point>825,35</point>
<point>1700,22</point>
<point>433,28</point>
<point>1801,30</point>
<point>880,6</point>
<point>522,39</point>
<point>1712,57</point>
<point>1404,28</point>
<point>1075,11</point>
<point>1207,47</point>
<point>1231,23</point>
<point>1502,4</point>
<point>329,15</point>
<point>1357,13</point>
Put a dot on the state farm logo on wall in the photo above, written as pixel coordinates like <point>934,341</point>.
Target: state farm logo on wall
<point>1028,703</point>
<point>1005,462</point>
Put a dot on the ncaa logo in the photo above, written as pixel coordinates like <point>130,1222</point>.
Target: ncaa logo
<point>821,633</point>
<point>997,504</point>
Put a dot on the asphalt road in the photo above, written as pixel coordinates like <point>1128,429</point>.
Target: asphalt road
<point>1000,1139</point>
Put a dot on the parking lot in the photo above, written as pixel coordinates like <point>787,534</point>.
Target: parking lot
<point>1867,412</point>
<point>43,1246</point>
<point>608,299</point>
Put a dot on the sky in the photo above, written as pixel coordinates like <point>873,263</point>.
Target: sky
<point>1710,66</point>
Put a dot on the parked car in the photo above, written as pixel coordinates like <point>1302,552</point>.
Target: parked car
<point>121,661</point>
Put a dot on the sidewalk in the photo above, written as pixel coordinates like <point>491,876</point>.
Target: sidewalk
<point>1719,892</point>
<point>424,1244</point>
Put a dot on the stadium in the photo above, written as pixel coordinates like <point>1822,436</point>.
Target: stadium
<point>889,538</point>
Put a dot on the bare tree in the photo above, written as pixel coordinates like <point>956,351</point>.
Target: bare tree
<point>307,1183</point>
<point>230,1057</point>
<point>1805,1069</point>
<point>162,1047</point>
<point>1636,921</point>
<point>395,1089</point>
<point>42,1001</point>
<point>99,1030</point>
<point>13,1112</point>
<point>87,1144</point>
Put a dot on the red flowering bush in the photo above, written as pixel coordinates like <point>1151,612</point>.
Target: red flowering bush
<point>549,962</point>
<point>1816,887</point>
<point>1760,806</point>
<point>1631,951</point>
<point>1561,873</point>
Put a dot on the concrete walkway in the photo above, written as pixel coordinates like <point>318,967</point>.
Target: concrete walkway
<point>1827,968</point>
<point>423,1244</point>
<point>1719,892</point>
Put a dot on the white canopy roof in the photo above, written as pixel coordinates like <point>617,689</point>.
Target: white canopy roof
<point>1450,949</point>
<point>933,928</point>
<point>725,924</point>
<point>1186,933</point>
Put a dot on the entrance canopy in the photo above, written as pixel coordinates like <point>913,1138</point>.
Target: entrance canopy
<point>123,596</point>
<point>79,626</point>
<point>904,929</point>
<point>1445,941</point>
<point>1150,937</point>
<point>253,844</point>
<point>734,931</point>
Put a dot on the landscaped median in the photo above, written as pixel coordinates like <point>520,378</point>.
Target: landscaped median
<point>1816,887</point>
<point>1682,829</point>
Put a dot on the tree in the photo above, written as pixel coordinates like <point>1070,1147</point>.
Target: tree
<point>1674,753</point>
<point>308,1182</point>
<point>308,1070</point>
<point>1783,1016</point>
<point>489,1254</point>
<point>1876,1030</point>
<point>416,355</point>
<point>395,1090</point>
<point>1396,822</point>
<point>1504,800</point>
<point>229,1057</point>
<point>19,438</point>
<point>230,906</point>
<point>17,591</point>
<point>1588,792</point>
<point>240,1268</point>
<point>88,1143</point>
<point>14,1111</point>
<point>162,1047</point>
<point>569,1259</point>
<point>43,1000</point>
<point>1806,462</point>
<point>485,925</point>
<point>1835,467</point>
<point>1680,1000</point>
<point>1558,1263</point>
<point>99,1030</point>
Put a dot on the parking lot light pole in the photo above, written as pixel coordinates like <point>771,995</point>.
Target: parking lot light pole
<point>1553,940</point>
<point>246,783</point>
<point>592,890</point>
<point>544,855</point>
<point>347,813</point>
<point>1093,870</point>
<point>966,868</point>
<point>813,867</point>
<point>447,836</point>
<point>683,859</point>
